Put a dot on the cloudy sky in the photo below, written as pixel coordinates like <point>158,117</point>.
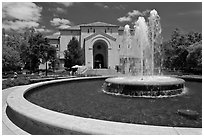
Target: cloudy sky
<point>48,18</point>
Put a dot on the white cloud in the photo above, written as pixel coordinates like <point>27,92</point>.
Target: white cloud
<point>21,11</point>
<point>19,25</point>
<point>58,22</point>
<point>56,33</point>
<point>20,15</point>
<point>124,19</point>
<point>63,26</point>
<point>66,4</point>
<point>43,30</point>
<point>60,10</point>
<point>133,14</point>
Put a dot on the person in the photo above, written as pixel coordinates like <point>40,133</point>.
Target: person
<point>15,75</point>
<point>117,68</point>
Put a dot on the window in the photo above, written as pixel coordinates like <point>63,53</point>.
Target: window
<point>94,31</point>
<point>105,30</point>
<point>88,30</point>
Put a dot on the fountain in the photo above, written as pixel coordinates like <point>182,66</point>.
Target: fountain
<point>145,80</point>
<point>77,106</point>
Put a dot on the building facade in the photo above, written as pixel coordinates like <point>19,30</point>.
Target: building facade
<point>104,45</point>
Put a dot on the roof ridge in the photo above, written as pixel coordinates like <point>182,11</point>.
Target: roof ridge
<point>98,23</point>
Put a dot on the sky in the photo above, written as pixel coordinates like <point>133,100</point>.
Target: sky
<point>49,17</point>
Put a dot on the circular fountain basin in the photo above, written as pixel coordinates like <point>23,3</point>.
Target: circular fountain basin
<point>61,107</point>
<point>145,86</point>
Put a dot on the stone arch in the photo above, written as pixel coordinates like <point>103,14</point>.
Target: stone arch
<point>102,39</point>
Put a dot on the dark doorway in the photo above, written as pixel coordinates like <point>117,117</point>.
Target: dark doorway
<point>100,54</point>
<point>99,61</point>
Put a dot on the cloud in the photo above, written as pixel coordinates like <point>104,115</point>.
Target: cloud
<point>60,23</point>
<point>64,26</point>
<point>19,25</point>
<point>124,19</point>
<point>56,33</point>
<point>66,4</point>
<point>133,15</point>
<point>60,10</point>
<point>20,15</point>
<point>101,5</point>
<point>43,30</point>
<point>21,11</point>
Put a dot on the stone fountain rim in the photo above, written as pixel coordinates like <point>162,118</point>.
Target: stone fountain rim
<point>70,124</point>
<point>136,81</point>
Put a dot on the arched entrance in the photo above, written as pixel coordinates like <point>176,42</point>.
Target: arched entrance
<point>100,54</point>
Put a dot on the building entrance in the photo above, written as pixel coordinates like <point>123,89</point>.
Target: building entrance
<point>100,54</point>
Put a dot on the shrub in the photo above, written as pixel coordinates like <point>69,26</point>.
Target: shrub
<point>15,82</point>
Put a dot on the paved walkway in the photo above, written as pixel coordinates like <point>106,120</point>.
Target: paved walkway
<point>5,93</point>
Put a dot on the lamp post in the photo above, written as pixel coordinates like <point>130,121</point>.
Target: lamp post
<point>45,63</point>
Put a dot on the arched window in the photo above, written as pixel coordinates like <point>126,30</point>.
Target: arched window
<point>94,31</point>
<point>88,30</point>
<point>105,30</point>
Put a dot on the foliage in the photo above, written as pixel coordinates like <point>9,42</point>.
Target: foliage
<point>68,62</point>
<point>26,50</point>
<point>15,82</point>
<point>10,59</point>
<point>181,52</point>
<point>73,54</point>
<point>194,58</point>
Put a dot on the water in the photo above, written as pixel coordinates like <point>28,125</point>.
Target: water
<point>147,39</point>
<point>85,98</point>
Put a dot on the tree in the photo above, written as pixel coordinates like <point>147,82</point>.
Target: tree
<point>38,45</point>
<point>51,54</point>
<point>27,49</point>
<point>176,50</point>
<point>194,58</point>
<point>10,59</point>
<point>10,51</point>
<point>73,54</point>
<point>67,60</point>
